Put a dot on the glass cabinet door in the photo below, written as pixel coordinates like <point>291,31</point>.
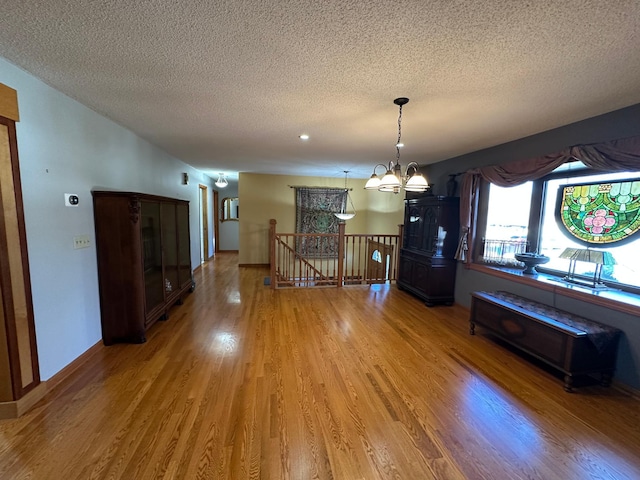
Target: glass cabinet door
<point>430,229</point>
<point>151,254</point>
<point>170,248</point>
<point>413,227</point>
<point>184,256</point>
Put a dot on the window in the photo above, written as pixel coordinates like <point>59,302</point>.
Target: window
<point>526,218</point>
<point>507,224</point>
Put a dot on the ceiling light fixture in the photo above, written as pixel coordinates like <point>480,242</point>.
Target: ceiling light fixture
<point>394,180</point>
<point>222,181</point>
<point>343,214</point>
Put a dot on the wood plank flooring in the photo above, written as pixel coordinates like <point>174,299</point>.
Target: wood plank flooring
<point>242,382</point>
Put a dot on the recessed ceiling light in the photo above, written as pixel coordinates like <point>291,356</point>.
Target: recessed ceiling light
<point>304,136</point>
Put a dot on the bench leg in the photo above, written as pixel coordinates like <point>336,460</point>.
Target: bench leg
<point>568,383</point>
<point>472,328</point>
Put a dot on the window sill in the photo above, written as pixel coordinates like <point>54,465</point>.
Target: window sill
<point>614,299</point>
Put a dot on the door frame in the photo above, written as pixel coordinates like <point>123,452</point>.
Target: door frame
<point>204,223</point>
<point>216,222</point>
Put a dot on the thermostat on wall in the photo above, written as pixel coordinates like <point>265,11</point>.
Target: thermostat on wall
<point>71,200</point>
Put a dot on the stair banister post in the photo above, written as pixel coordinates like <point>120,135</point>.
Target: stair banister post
<point>341,257</point>
<point>272,251</point>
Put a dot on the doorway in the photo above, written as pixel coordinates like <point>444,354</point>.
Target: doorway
<point>204,224</point>
<point>216,223</point>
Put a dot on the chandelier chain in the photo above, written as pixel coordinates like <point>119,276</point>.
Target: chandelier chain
<point>399,136</point>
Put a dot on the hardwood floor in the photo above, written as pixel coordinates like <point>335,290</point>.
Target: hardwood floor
<point>353,383</point>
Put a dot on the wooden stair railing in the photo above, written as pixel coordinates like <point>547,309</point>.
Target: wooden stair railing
<point>353,264</point>
<point>317,274</point>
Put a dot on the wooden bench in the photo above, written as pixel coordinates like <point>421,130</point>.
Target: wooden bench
<point>572,344</point>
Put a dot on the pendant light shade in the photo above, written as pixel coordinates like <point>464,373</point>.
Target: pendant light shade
<point>343,214</point>
<point>373,183</point>
<point>416,183</point>
<point>222,181</point>
<point>390,183</point>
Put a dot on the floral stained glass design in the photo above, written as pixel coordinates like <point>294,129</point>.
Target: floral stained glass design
<point>600,213</point>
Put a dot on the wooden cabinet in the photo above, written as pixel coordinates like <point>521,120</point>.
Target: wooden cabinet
<point>144,261</point>
<point>427,264</point>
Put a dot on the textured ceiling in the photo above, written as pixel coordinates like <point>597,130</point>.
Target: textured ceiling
<point>229,85</point>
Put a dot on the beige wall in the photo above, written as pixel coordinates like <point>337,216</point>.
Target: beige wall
<point>264,197</point>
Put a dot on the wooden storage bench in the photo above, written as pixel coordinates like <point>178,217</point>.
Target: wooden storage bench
<point>572,344</point>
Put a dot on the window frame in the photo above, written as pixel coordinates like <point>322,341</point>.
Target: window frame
<point>538,197</point>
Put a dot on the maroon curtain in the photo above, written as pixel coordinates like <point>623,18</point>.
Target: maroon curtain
<point>617,155</point>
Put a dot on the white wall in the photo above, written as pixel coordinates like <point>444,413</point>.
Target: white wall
<point>64,147</point>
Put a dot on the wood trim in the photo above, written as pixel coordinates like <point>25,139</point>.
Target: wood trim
<point>26,272</point>
<point>563,290</point>
<point>9,103</point>
<point>216,222</point>
<point>19,320</point>
<point>205,221</point>
<point>137,195</point>
<point>497,272</point>
<point>254,265</point>
<point>74,366</point>
<point>17,408</point>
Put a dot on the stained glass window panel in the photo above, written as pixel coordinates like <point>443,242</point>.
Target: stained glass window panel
<point>600,213</point>
<point>554,237</point>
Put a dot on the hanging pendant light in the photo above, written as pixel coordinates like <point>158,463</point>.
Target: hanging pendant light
<point>343,214</point>
<point>222,181</point>
<point>393,180</point>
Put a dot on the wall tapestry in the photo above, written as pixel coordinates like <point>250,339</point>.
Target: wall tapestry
<point>315,208</point>
<point>600,213</point>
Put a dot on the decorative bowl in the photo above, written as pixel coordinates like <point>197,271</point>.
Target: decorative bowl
<point>531,260</point>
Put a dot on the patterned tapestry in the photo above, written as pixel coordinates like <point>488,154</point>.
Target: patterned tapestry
<point>600,213</point>
<point>315,208</point>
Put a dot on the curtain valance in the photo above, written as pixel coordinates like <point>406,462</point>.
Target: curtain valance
<point>616,155</point>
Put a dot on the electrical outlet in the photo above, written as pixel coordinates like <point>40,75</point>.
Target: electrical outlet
<point>81,241</point>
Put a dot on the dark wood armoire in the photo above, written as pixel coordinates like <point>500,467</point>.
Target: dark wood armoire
<point>144,261</point>
<point>427,263</point>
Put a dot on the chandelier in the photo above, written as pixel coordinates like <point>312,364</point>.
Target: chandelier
<point>222,181</point>
<point>343,214</point>
<point>394,179</point>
